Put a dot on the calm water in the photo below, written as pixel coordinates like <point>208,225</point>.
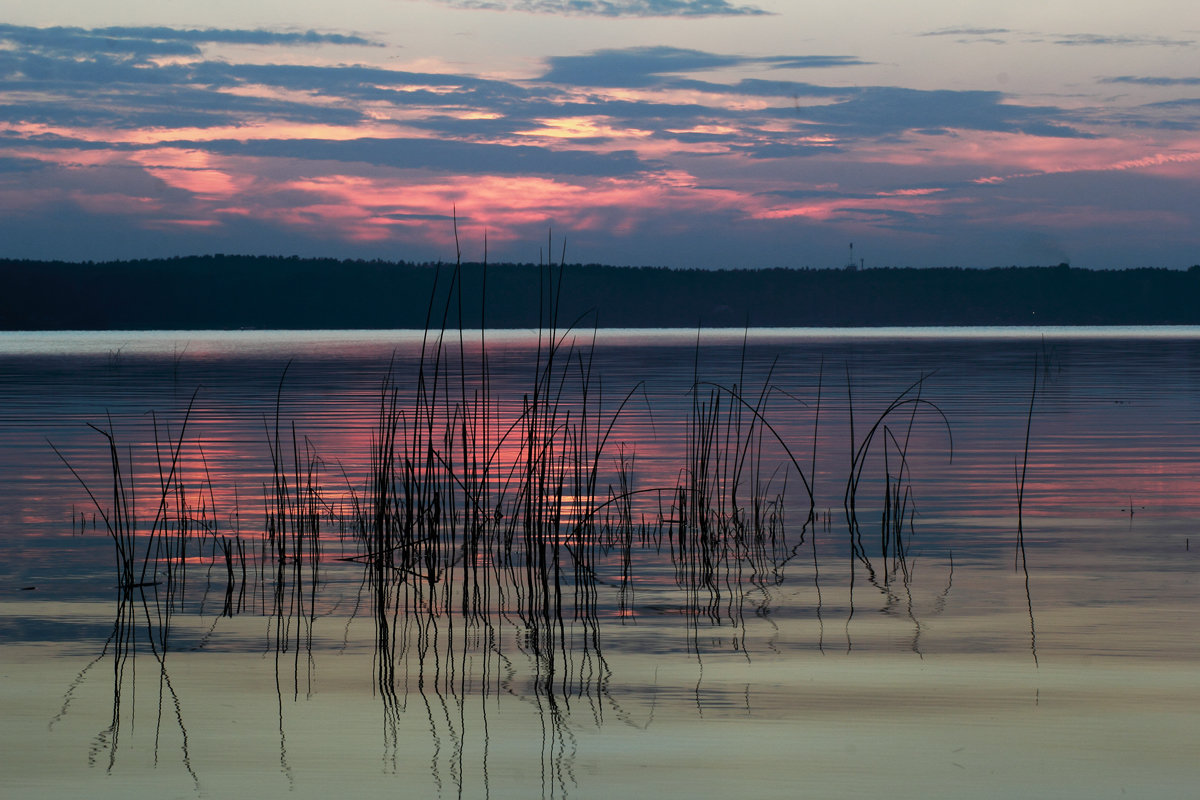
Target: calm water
<point>659,647</point>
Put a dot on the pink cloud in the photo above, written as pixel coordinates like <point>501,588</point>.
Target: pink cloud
<point>205,182</point>
<point>918,201</point>
<point>358,203</point>
<point>184,223</point>
<point>1006,156</point>
<point>1174,162</point>
<point>371,207</point>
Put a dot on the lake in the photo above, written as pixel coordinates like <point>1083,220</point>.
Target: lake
<point>771,563</point>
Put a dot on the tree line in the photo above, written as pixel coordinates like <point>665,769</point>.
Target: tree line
<point>233,291</point>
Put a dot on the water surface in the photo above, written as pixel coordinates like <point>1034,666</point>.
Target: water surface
<point>795,657</point>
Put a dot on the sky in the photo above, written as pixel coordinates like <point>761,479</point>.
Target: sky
<point>681,133</point>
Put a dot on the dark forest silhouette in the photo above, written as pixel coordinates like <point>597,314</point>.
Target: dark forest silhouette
<point>230,292</point>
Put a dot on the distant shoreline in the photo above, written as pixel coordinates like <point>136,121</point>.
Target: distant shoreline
<point>224,292</point>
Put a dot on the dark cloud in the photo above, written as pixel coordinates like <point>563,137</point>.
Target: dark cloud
<point>458,157</point>
<point>108,77</point>
<point>110,91</point>
<point>80,43</point>
<point>1179,114</point>
<point>434,154</point>
<point>690,137</point>
<point>890,218</point>
<point>638,67</point>
<point>884,110</point>
<point>1182,114</point>
<point>519,107</point>
<point>77,104</point>
<point>73,183</point>
<point>966,32</point>
<point>10,165</point>
<point>756,87</point>
<point>117,90</point>
<point>972,35</point>
<point>1092,39</point>
<point>1152,81</point>
<point>40,71</point>
<point>53,141</point>
<point>816,194</point>
<point>807,62</point>
<point>237,36</point>
<point>854,113</point>
<point>502,127</point>
<point>614,8</point>
<point>424,217</point>
<point>631,67</point>
<point>146,42</point>
<point>997,36</point>
<point>783,150</point>
<point>1182,102</point>
<point>363,83</point>
<point>113,90</point>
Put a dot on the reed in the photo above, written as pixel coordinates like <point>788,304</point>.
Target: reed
<point>1020,481</point>
<point>1019,475</point>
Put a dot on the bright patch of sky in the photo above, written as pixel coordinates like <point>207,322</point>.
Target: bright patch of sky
<point>709,133</point>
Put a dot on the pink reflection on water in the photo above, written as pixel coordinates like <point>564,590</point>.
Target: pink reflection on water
<point>1086,460</point>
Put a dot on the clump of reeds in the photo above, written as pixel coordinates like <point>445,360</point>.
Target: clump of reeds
<point>898,507</point>
<point>726,525</point>
<point>485,509</point>
<point>166,541</point>
<point>155,581</point>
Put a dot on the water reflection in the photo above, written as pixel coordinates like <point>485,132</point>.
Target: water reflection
<point>475,526</point>
<point>140,621</point>
<point>512,553</point>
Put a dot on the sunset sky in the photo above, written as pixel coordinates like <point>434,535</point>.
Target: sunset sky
<point>685,133</point>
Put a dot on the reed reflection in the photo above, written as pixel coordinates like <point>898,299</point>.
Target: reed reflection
<point>142,621</point>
